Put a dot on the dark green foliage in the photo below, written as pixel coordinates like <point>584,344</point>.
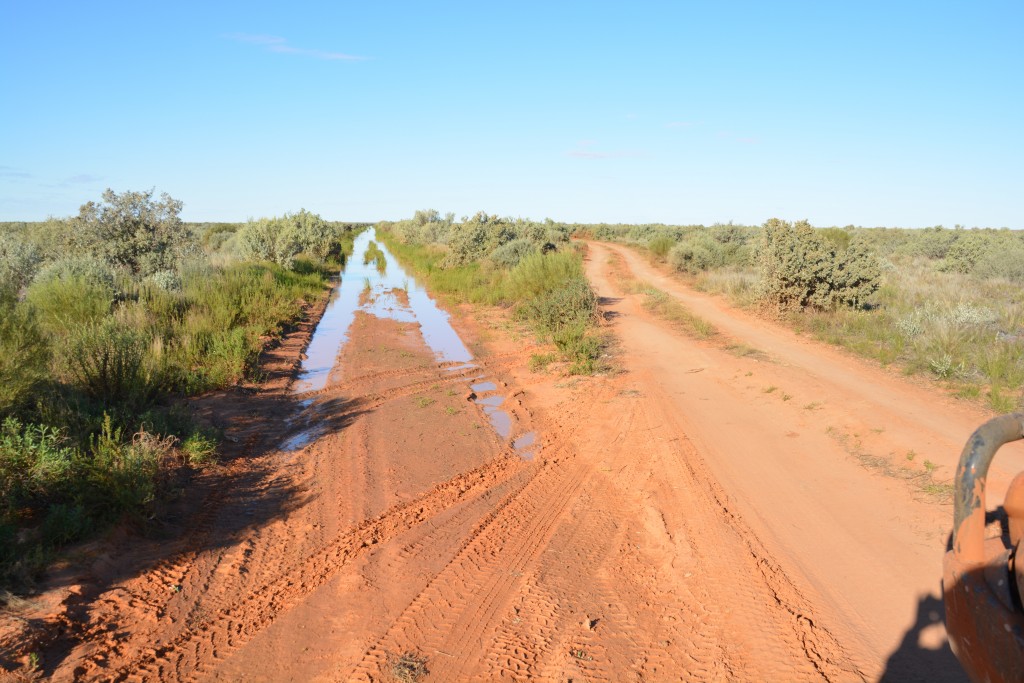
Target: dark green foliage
<point>34,463</point>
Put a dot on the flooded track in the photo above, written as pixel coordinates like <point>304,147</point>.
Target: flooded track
<point>395,503</point>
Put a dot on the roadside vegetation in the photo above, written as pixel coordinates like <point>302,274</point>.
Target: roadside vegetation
<point>945,303</point>
<point>529,266</point>
<point>108,319</point>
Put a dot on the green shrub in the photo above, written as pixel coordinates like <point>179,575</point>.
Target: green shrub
<point>24,354</point>
<point>539,273</point>
<point>1004,262</point>
<point>856,275</point>
<point>133,231</point>
<point>660,245</point>
<point>34,464</point>
<point>510,254</point>
<point>965,253</point>
<point>108,362</point>
<point>312,233</point>
<point>199,448</point>
<point>580,348</point>
<point>573,304</point>
<point>122,477</point>
<point>800,269</point>
<point>19,261</point>
<point>697,254</point>
<point>88,269</point>
<point>65,305</point>
<point>269,239</point>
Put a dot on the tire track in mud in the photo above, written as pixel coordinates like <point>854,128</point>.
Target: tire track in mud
<point>449,617</point>
<point>198,646</point>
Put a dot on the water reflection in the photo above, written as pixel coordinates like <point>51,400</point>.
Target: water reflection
<point>373,281</point>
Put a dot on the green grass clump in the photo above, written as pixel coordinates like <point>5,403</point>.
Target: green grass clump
<point>664,306</point>
<point>53,493</point>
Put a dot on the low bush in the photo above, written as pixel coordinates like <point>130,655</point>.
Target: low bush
<point>660,245</point>
<point>19,261</point>
<point>510,254</point>
<point>107,360</point>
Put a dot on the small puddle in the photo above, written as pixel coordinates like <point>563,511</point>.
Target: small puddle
<point>525,441</point>
<point>373,281</point>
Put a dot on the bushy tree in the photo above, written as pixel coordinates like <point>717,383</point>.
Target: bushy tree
<point>132,230</point>
<point>800,268</point>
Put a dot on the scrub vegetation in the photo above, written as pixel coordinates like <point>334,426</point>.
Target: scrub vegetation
<point>107,319</point>
<point>946,303</point>
<point>529,266</point>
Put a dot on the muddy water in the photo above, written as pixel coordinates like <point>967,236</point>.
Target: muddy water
<point>379,286</point>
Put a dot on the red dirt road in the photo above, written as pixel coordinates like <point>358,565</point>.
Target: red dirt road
<point>679,522</point>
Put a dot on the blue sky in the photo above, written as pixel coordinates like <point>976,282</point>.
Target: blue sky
<point>888,113</point>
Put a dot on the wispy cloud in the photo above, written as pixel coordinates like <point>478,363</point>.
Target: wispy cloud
<point>82,179</point>
<point>587,154</point>
<point>585,150</point>
<point>281,46</point>
<point>14,173</point>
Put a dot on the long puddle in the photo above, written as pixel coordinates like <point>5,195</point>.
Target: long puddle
<point>373,281</point>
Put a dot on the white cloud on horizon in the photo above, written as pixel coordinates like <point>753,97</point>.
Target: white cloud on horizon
<point>281,46</point>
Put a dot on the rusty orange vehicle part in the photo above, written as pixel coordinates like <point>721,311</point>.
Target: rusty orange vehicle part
<point>981,579</point>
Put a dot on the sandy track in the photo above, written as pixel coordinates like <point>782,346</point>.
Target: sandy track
<point>867,547</point>
<point>677,524</point>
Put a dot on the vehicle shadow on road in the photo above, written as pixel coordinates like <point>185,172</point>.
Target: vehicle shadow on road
<point>914,661</point>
